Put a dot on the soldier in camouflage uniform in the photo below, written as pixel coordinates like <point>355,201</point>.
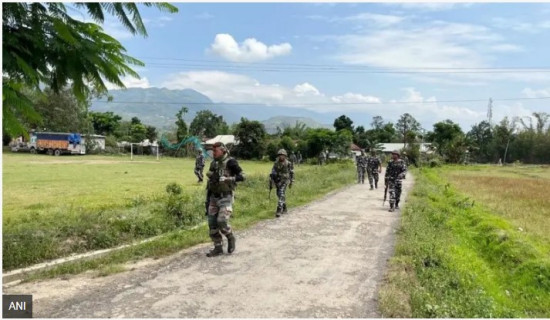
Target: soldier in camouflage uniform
<point>293,158</point>
<point>361,162</point>
<point>199,165</point>
<point>394,174</point>
<point>282,175</point>
<point>223,175</point>
<point>374,167</point>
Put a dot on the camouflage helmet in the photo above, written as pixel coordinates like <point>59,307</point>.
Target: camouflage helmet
<point>396,152</point>
<point>282,152</point>
<point>220,145</point>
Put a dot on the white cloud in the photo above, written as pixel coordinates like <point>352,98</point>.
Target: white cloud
<point>430,6</point>
<point>354,98</point>
<point>235,88</point>
<point>520,26</point>
<point>506,48</point>
<point>130,82</point>
<point>436,46</point>
<point>380,19</point>
<point>250,50</point>
<point>531,93</point>
<point>306,89</point>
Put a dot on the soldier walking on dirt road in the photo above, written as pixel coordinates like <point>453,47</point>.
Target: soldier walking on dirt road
<point>282,175</point>
<point>394,174</point>
<point>374,167</point>
<point>223,175</point>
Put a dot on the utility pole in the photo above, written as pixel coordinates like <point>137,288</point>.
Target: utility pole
<point>490,112</point>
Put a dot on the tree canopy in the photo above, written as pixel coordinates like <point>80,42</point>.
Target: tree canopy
<point>44,46</point>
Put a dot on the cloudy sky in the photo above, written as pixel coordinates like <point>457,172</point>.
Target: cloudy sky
<point>435,61</point>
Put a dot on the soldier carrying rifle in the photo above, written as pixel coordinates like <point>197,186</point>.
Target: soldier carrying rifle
<point>281,175</point>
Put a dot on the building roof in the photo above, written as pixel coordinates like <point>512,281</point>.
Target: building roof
<point>225,139</point>
<point>355,147</point>
<point>389,147</point>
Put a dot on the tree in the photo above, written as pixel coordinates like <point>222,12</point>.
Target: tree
<point>61,111</point>
<point>408,128</point>
<point>251,136</point>
<point>343,122</point>
<point>151,133</point>
<point>44,45</point>
<point>208,124</point>
<point>318,140</point>
<point>377,123</point>
<point>104,123</point>
<point>182,131</point>
<point>481,138</point>
<point>444,133</point>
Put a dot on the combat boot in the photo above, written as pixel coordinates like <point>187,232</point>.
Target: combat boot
<point>397,205</point>
<point>278,212</point>
<point>371,187</point>
<point>391,208</point>
<point>218,250</point>
<point>284,208</point>
<point>376,184</point>
<point>230,243</point>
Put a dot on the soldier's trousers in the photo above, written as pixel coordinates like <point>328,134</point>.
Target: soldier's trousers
<point>220,209</point>
<point>360,174</point>
<point>198,173</point>
<point>394,187</point>
<point>373,175</point>
<point>281,189</point>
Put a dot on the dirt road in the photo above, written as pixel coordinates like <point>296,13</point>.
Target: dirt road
<point>325,259</point>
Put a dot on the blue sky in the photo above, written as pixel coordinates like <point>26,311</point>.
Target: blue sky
<point>353,58</point>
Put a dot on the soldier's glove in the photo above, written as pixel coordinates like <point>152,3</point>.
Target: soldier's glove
<point>228,179</point>
<point>401,176</point>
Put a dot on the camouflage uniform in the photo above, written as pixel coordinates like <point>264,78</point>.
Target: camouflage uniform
<point>293,158</point>
<point>373,165</point>
<point>282,175</point>
<point>199,166</point>
<point>361,162</point>
<point>299,158</point>
<point>394,174</point>
<point>223,175</point>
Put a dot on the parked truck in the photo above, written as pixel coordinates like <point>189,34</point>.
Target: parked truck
<point>57,143</point>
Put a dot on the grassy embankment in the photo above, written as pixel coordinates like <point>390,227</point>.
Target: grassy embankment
<point>474,242</point>
<point>57,206</point>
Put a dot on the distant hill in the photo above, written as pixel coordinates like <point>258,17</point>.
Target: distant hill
<point>271,124</point>
<point>158,107</point>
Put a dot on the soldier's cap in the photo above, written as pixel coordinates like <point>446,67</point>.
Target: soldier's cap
<point>282,152</point>
<point>396,152</point>
<point>220,145</point>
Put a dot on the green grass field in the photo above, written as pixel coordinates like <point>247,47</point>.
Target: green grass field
<point>474,242</point>
<point>57,206</point>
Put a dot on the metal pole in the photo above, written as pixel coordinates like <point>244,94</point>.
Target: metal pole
<point>506,151</point>
<point>131,151</point>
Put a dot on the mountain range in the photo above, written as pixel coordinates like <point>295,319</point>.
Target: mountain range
<point>158,107</point>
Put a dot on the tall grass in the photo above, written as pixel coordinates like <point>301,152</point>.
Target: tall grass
<point>57,206</point>
<point>457,256</point>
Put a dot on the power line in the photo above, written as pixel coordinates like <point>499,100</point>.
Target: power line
<point>324,103</point>
<point>343,66</point>
<point>348,71</point>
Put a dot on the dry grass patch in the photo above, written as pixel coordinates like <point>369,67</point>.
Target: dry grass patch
<point>523,201</point>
